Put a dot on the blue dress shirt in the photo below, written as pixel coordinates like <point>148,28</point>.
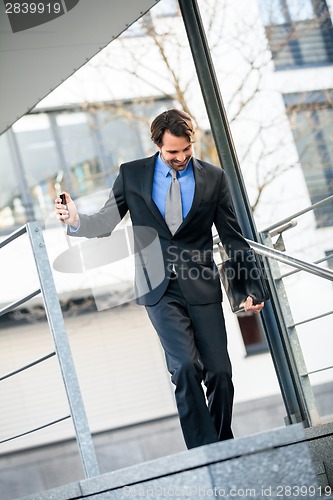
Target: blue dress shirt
<point>162,181</point>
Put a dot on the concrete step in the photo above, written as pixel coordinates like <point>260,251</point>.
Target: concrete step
<point>320,441</point>
<point>274,464</point>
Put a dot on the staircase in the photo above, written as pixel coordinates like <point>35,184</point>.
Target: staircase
<point>276,464</point>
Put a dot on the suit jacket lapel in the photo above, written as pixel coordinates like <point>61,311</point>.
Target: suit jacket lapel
<point>147,177</point>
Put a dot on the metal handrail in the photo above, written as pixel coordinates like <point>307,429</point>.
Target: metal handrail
<point>278,290</point>
<point>23,300</point>
<point>319,261</point>
<point>302,265</point>
<point>297,214</point>
<point>291,261</point>
<point>296,364</point>
<point>29,365</point>
<point>62,348</point>
<point>30,431</point>
<point>313,318</point>
<point>12,236</point>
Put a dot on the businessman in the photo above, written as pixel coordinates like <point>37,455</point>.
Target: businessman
<point>177,199</point>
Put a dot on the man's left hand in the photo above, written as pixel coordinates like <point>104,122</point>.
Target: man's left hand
<point>249,306</point>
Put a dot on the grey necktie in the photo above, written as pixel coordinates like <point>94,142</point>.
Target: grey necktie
<point>173,204</point>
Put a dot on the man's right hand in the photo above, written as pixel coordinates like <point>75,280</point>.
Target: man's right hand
<point>67,213</point>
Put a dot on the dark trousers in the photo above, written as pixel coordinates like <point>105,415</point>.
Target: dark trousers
<point>195,345</point>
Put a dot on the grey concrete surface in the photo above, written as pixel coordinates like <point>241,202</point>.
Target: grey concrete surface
<point>273,464</point>
<point>320,441</point>
<point>28,471</point>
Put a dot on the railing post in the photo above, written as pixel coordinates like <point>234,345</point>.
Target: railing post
<point>62,348</point>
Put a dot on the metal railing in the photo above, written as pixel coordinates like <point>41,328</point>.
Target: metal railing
<point>268,251</point>
<point>62,349</point>
<point>299,264</point>
<point>292,348</point>
<point>287,220</point>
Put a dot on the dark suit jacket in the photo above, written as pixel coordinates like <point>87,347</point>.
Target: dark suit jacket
<point>189,250</point>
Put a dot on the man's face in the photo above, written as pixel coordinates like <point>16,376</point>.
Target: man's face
<point>175,151</point>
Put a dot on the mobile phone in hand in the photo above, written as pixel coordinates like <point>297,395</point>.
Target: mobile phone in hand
<point>63,201</point>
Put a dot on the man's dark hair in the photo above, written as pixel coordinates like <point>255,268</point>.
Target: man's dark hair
<point>176,122</point>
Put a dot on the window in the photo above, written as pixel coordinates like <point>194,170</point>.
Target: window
<point>252,333</point>
<point>311,118</point>
<point>299,32</point>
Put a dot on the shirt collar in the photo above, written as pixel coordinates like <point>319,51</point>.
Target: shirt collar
<point>165,169</point>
